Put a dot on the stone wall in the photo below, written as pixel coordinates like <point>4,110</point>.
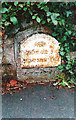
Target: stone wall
<point>11,60</point>
<point>32,74</point>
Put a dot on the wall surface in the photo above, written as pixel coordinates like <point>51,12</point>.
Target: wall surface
<point>11,60</point>
<point>32,74</point>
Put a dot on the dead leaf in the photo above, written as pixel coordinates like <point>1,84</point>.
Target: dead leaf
<point>8,85</point>
<point>2,33</point>
<point>66,89</point>
<point>41,83</point>
<point>13,82</point>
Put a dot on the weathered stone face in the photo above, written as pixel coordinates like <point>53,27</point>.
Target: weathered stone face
<point>40,50</point>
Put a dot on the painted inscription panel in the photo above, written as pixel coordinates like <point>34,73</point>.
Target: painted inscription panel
<point>40,50</point>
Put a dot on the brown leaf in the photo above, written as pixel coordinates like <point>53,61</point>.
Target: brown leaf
<point>72,37</point>
<point>66,89</point>
<point>2,33</point>
<point>13,82</point>
<point>8,85</point>
<point>41,83</point>
<point>33,84</point>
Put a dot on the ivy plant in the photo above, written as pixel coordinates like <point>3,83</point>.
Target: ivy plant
<point>60,16</point>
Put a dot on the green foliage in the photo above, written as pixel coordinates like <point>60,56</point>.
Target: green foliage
<point>14,20</point>
<point>3,10</point>
<point>61,80</point>
<point>38,19</point>
<point>58,15</point>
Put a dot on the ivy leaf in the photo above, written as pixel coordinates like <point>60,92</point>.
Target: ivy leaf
<point>71,72</point>
<point>52,17</point>
<point>7,23</point>
<point>30,12</point>
<point>43,22</point>
<point>33,17</point>
<point>69,32</point>
<point>62,83</point>
<point>60,22</point>
<point>65,83</point>
<point>68,57</point>
<point>49,13</point>
<point>39,5</point>
<point>56,14</point>
<point>5,16</point>
<point>68,66</point>
<point>67,49</point>
<point>38,19</point>
<point>62,53</point>
<point>60,67</point>
<point>66,44</point>
<point>3,19</point>
<point>14,20</point>
<point>24,8</point>
<point>54,34</point>
<point>66,33</point>
<point>46,8</point>
<point>55,22</point>
<point>48,20</point>
<point>15,3</point>
<point>73,80</point>
<point>28,4</point>
<point>3,10</point>
<point>55,83</point>
<point>68,13</point>
<point>64,38</point>
<point>63,21</point>
<point>62,48</point>
<point>21,5</point>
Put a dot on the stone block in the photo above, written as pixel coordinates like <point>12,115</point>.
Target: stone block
<point>8,51</point>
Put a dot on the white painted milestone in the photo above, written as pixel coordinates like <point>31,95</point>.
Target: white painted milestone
<point>40,50</point>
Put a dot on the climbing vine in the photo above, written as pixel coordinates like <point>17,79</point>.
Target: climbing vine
<point>60,16</point>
